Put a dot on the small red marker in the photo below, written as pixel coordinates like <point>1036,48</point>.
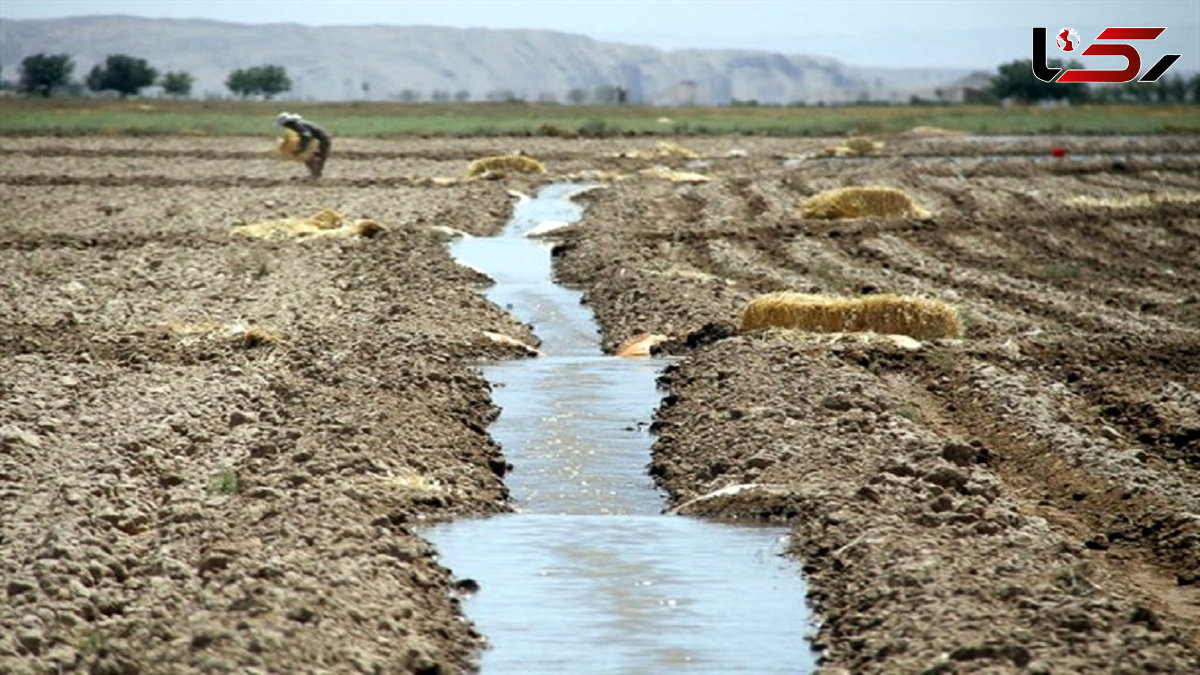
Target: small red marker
<point>1059,151</point>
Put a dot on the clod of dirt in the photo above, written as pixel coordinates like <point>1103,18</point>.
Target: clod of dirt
<point>862,202</point>
<point>511,342</point>
<point>640,344</point>
<point>886,314</point>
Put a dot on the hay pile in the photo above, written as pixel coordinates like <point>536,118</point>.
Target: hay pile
<point>667,173</point>
<point>1133,201</point>
<point>933,132</point>
<point>858,145</point>
<point>885,314</point>
<point>500,166</point>
<point>289,147</point>
<point>238,334</point>
<point>324,224</point>
<point>661,150</point>
<point>862,202</point>
<point>669,149</point>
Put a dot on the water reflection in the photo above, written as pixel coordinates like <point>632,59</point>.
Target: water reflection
<point>587,577</point>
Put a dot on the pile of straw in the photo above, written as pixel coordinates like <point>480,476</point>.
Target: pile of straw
<point>661,150</point>
<point>238,333</point>
<point>289,147</point>
<point>499,166</point>
<point>862,202</point>
<point>667,173</point>
<point>324,224</point>
<point>1133,201</point>
<point>885,314</point>
<point>858,145</point>
<point>933,132</point>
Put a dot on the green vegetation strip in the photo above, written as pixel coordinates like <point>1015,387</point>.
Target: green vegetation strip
<point>77,117</point>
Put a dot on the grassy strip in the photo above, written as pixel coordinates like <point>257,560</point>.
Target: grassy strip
<point>72,117</point>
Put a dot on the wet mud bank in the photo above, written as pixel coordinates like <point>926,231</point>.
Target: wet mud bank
<point>215,450</point>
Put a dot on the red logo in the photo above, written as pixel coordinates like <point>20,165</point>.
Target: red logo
<point>1068,40</point>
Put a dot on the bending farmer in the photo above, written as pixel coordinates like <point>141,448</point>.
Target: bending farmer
<point>303,141</point>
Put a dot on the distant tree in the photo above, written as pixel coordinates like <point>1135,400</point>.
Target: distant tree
<point>462,96</point>
<point>1016,80</point>
<point>504,96</point>
<point>177,83</point>
<point>605,93</point>
<point>123,74</point>
<point>1194,86</point>
<point>1174,89</point>
<point>266,81</point>
<point>577,95</point>
<point>1139,92</point>
<point>1107,94</point>
<point>272,80</point>
<point>439,96</point>
<point>40,73</point>
<point>241,82</point>
<point>366,90</point>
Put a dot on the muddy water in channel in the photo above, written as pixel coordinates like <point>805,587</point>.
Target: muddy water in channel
<point>588,576</point>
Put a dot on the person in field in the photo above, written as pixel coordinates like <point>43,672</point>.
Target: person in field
<point>303,141</point>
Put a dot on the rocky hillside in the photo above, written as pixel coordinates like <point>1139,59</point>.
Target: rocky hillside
<point>393,62</point>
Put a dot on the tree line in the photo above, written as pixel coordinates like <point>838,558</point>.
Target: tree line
<point>44,74</point>
<point>1015,80</point>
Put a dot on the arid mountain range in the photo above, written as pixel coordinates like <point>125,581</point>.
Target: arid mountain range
<point>425,62</point>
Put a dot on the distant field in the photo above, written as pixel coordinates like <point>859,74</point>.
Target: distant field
<point>71,117</point>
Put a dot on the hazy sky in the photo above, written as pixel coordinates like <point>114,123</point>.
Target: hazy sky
<point>968,33</point>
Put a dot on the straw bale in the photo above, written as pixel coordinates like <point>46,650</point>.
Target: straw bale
<point>667,173</point>
<point>862,202</point>
<point>669,149</point>
<point>1133,201</point>
<point>888,314</point>
<point>861,145</point>
<point>323,224</point>
<point>661,150</point>
<point>238,333</point>
<point>501,165</point>
<point>933,132</point>
<point>835,151</point>
<point>288,146</point>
